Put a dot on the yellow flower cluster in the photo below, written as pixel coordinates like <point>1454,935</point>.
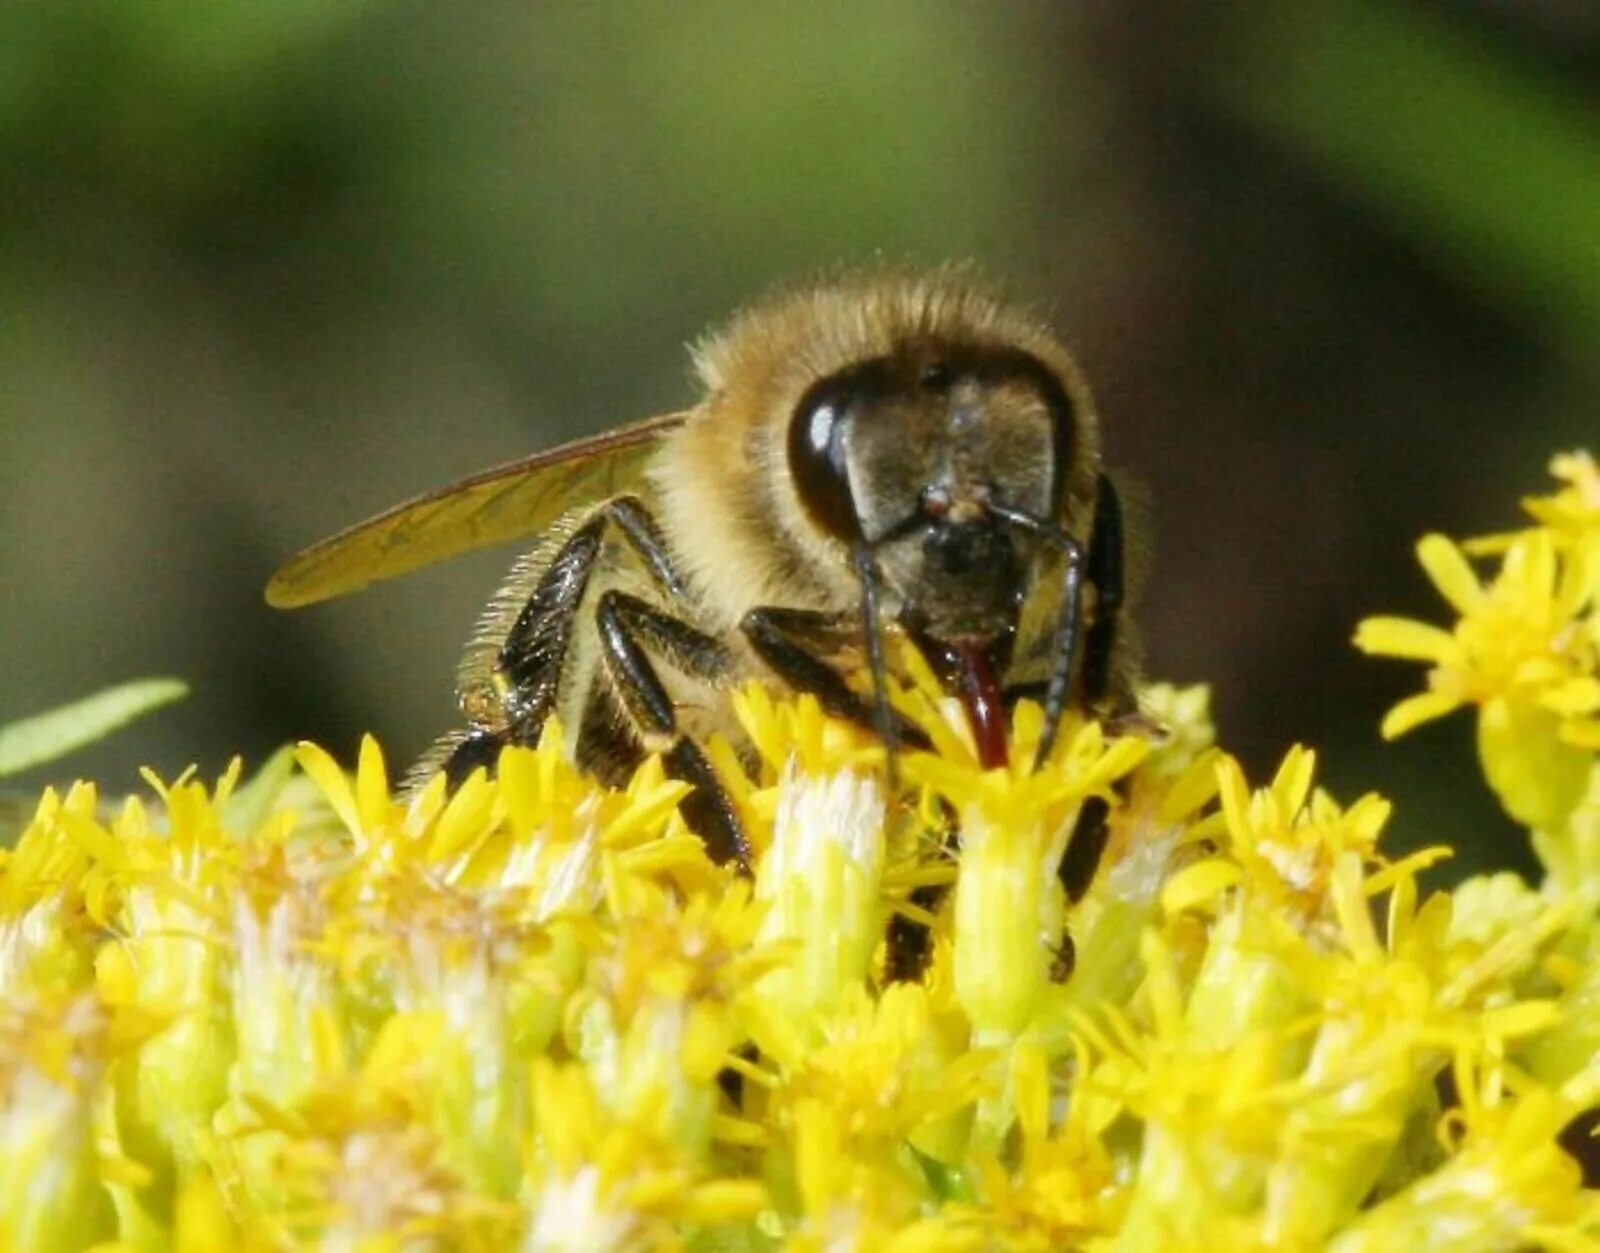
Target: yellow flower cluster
<point>1525,649</point>
<point>310,1010</point>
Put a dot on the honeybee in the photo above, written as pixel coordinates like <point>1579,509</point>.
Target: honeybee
<point>882,452</point>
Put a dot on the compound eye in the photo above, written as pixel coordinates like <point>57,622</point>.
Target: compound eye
<point>817,458</point>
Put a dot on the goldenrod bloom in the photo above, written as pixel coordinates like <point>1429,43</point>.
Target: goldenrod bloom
<point>1526,651</point>
<point>1570,514</point>
<point>318,1010</point>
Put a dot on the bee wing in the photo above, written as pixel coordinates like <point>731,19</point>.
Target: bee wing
<point>492,507</point>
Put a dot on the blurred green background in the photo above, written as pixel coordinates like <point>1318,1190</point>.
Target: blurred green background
<point>266,268</point>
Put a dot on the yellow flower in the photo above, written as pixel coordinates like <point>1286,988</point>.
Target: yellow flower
<point>823,872</point>
<point>1067,1187</point>
<point>661,1015</point>
<point>843,1114</point>
<point>170,876</point>
<point>356,1164</point>
<point>1526,651</point>
<point>1507,1183</point>
<point>1283,843</point>
<point>598,1181</point>
<point>1182,716</point>
<point>54,1052</point>
<point>1570,514</point>
<point>530,1011</point>
<point>1015,823</point>
<point>1490,906</point>
<point>48,921</point>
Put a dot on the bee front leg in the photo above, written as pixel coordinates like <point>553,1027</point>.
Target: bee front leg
<point>793,644</point>
<point>629,629</point>
<point>1102,568</point>
<point>1098,633</point>
<point>1105,575</point>
<point>1104,571</point>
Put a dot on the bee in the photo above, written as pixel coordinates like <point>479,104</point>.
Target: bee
<point>882,452</point>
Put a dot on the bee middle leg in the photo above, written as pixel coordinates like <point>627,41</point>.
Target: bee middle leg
<point>630,629</point>
<point>509,700</point>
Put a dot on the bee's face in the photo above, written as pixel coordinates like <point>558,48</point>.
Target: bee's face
<point>905,454</point>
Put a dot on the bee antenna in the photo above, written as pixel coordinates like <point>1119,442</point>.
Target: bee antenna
<point>872,628</point>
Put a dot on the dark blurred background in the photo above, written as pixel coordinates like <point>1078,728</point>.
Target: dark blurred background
<point>266,268</point>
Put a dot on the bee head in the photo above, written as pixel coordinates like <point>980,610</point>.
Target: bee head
<point>908,455</point>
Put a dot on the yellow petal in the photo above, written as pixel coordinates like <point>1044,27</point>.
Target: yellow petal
<point>1582,733</point>
<point>1403,637</point>
<point>1193,788</point>
<point>1523,1018</point>
<point>725,1200</point>
<point>201,1219</point>
<point>1415,710</point>
<point>1530,565</point>
<point>1407,868</point>
<point>1451,573</point>
<point>1235,794</point>
<point>1574,697</point>
<point>1489,545</point>
<point>322,770</point>
<point>1292,784</point>
<point>1198,884</point>
<point>372,784</point>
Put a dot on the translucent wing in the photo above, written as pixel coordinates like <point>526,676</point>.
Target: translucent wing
<point>493,507</point>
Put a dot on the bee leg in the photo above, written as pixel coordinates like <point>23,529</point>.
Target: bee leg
<point>908,945</point>
<point>629,629</point>
<point>1101,566</point>
<point>1069,622</point>
<point>534,652</point>
<point>1082,857</point>
<point>792,643</point>
<point>629,515</point>
<point>527,670</point>
<point>520,691</point>
<point>1104,570</point>
<point>1106,575</point>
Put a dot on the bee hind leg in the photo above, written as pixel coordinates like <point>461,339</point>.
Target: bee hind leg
<point>630,629</point>
<point>456,754</point>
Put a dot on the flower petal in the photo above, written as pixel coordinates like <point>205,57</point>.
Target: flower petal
<point>1415,710</point>
<point>1198,884</point>
<point>1403,637</point>
<point>1451,573</point>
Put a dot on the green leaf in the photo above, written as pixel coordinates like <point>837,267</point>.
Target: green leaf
<point>1487,166</point>
<point>948,1183</point>
<point>30,742</point>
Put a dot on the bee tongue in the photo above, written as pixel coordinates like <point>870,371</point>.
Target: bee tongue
<point>979,691</point>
